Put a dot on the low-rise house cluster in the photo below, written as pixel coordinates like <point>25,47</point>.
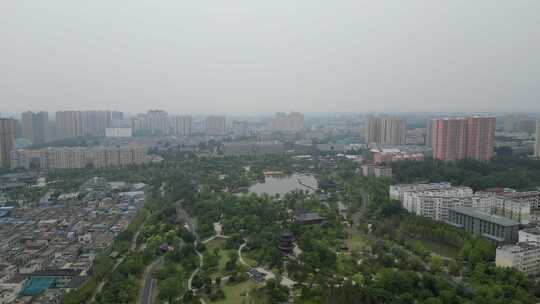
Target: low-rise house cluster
<point>47,249</point>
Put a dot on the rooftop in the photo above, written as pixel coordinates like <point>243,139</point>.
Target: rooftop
<point>533,230</point>
<point>519,247</point>
<point>499,220</point>
<point>309,217</point>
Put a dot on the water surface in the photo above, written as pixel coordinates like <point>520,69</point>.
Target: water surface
<point>283,184</point>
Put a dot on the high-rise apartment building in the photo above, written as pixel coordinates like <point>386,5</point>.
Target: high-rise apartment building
<point>70,124</point>
<point>41,128</point>
<point>372,129</point>
<point>115,115</point>
<point>449,138</point>
<point>157,121</point>
<point>429,133</point>
<point>137,123</point>
<point>393,131</point>
<point>95,122</point>
<point>7,141</point>
<point>35,127</point>
<point>527,125</point>
<point>215,125</point>
<point>181,125</point>
<point>511,122</point>
<point>480,137</point>
<point>460,138</point>
<point>292,122</point>
<point>389,131</point>
<point>27,125</point>
<point>537,142</point>
<point>240,128</point>
<point>83,123</point>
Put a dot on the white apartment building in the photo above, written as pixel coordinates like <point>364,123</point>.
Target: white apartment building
<point>76,158</point>
<point>530,235</point>
<point>181,125</point>
<point>433,200</point>
<point>532,197</point>
<point>376,170</point>
<point>523,256</point>
<point>519,211</point>
<point>398,191</point>
<point>484,201</point>
<point>435,203</point>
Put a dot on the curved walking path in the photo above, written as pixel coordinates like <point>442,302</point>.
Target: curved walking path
<point>215,237</point>
<point>194,273</point>
<point>240,258</point>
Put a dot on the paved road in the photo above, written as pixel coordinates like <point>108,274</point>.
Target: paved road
<point>148,294</point>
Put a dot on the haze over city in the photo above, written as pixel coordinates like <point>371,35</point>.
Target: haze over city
<point>290,152</point>
<point>245,56</point>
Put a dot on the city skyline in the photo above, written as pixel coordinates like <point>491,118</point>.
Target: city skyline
<point>376,56</point>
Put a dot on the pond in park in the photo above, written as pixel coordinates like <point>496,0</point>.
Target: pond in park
<point>283,184</point>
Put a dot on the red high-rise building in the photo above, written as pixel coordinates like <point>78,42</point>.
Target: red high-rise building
<point>459,138</point>
<point>480,136</point>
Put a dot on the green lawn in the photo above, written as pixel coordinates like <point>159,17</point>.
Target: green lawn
<point>249,258</point>
<point>215,243</point>
<point>236,294</point>
<point>356,241</point>
<point>224,258</point>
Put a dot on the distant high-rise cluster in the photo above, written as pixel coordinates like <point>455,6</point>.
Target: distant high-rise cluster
<point>293,121</point>
<point>537,141</point>
<point>181,125</point>
<point>158,122</point>
<point>527,125</point>
<point>460,138</point>
<point>240,128</point>
<point>84,123</point>
<point>35,127</point>
<point>511,122</point>
<point>215,125</point>
<point>389,131</point>
<point>7,140</point>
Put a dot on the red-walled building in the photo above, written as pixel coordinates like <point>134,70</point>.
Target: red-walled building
<point>460,138</point>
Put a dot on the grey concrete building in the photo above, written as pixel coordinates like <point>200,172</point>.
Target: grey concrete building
<point>497,229</point>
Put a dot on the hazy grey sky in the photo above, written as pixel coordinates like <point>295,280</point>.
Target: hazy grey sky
<point>279,55</point>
